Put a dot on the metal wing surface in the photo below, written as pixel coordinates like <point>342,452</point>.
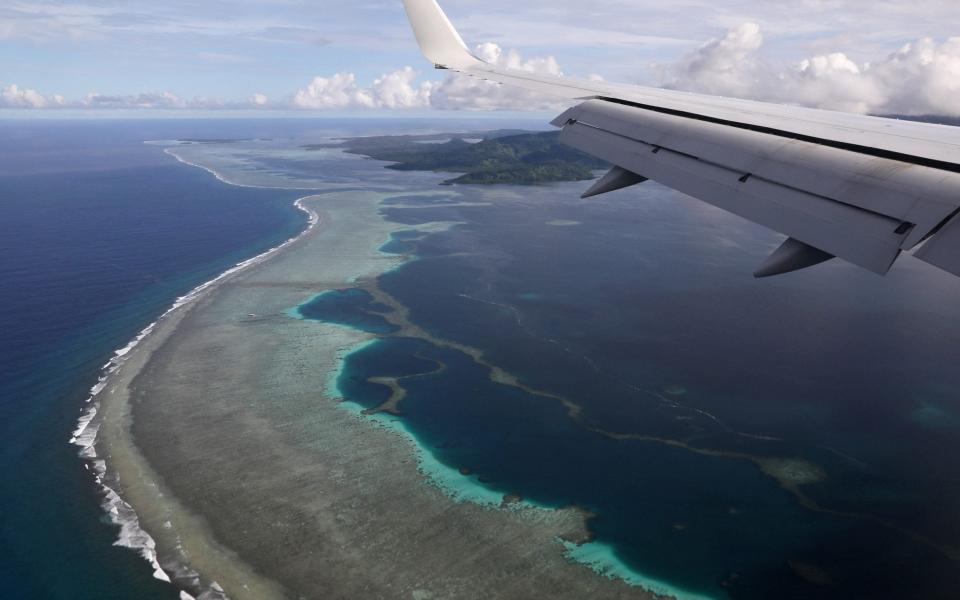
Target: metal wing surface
<point>857,187</point>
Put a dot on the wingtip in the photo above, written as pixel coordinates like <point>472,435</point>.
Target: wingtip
<point>437,37</point>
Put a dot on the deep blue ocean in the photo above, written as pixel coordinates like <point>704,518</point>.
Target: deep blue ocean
<point>638,307</point>
<point>691,378</point>
<point>99,233</point>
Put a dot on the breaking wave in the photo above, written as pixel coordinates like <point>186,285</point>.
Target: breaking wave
<point>86,433</point>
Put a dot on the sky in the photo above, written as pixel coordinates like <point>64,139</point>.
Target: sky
<point>868,56</point>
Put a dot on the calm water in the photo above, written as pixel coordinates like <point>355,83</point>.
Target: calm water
<point>690,375</point>
<point>98,234</point>
<point>640,309</point>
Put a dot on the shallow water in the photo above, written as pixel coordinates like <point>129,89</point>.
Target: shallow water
<point>735,435</point>
<point>730,436</point>
<point>99,233</point>
<point>789,437</point>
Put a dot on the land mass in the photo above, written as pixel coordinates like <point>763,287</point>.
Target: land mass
<point>498,157</point>
<point>504,157</point>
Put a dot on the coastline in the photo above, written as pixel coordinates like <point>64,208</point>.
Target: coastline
<point>219,556</point>
<point>150,363</point>
<point>222,178</point>
<point>105,408</point>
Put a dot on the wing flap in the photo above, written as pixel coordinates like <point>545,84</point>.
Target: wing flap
<point>907,193</point>
<point>864,238</point>
<point>943,249</point>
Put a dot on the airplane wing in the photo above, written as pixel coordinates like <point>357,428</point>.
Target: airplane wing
<point>860,188</point>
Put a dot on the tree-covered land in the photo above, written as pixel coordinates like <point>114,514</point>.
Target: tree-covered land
<point>501,157</point>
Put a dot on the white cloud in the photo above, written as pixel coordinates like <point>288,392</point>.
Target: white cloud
<point>13,96</point>
<point>922,77</point>
<point>145,100</point>
<point>397,89</point>
<point>460,92</point>
<point>339,91</point>
<point>153,100</point>
<point>725,66</point>
<point>400,89</point>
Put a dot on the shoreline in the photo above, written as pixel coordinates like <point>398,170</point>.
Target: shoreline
<point>319,474</point>
<point>149,532</point>
<point>582,548</point>
<point>203,563</point>
<point>223,179</point>
<point>87,434</point>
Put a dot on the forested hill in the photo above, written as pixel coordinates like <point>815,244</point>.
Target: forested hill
<point>501,157</point>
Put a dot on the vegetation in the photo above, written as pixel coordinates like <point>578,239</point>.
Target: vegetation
<point>501,157</point>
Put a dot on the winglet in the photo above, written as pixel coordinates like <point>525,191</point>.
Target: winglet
<point>438,39</point>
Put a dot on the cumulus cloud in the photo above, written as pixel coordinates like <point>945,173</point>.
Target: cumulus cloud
<point>339,91</point>
<point>398,89</point>
<point>401,90</point>
<point>922,77</point>
<point>13,96</point>
<point>460,92</point>
<point>727,65</point>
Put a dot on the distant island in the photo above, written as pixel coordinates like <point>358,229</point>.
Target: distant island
<point>504,156</point>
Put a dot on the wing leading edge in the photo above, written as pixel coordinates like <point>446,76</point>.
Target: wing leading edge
<point>860,188</point>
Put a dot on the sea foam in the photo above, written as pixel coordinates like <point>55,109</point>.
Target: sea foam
<point>86,432</point>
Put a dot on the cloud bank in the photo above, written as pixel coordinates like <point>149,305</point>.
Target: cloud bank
<point>919,78</point>
<point>392,90</point>
<point>13,96</point>
<point>400,89</point>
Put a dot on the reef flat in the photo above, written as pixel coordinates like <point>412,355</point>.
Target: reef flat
<point>266,485</point>
<point>570,392</point>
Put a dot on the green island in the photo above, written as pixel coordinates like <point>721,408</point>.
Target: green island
<point>503,156</point>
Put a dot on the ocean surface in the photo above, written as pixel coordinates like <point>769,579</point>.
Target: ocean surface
<point>99,233</point>
<point>793,437</point>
